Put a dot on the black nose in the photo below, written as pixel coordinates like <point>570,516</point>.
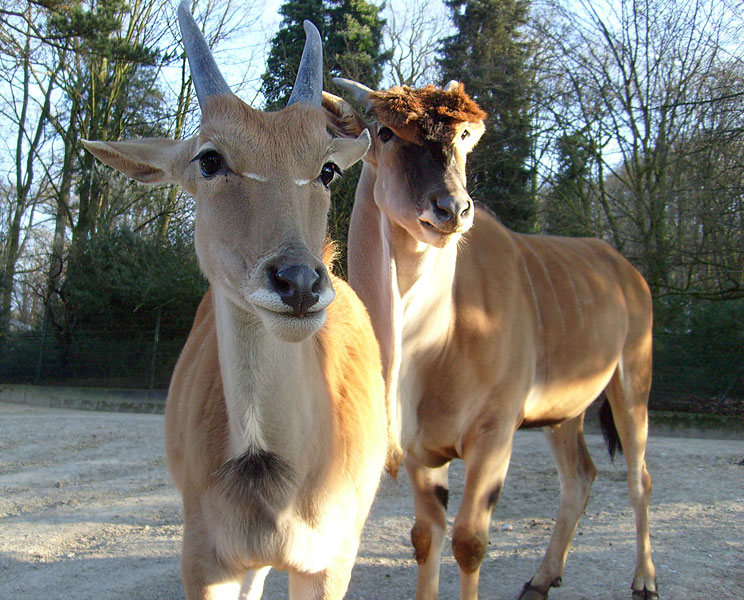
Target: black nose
<point>451,208</point>
<point>299,286</point>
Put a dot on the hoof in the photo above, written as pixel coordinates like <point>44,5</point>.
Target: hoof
<point>532,592</point>
<point>645,594</point>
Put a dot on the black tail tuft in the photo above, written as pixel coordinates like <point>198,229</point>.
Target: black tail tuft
<point>609,431</point>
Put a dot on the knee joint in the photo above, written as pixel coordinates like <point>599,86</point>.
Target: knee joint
<point>646,483</point>
<point>421,535</point>
<point>469,548</point>
<point>591,474</point>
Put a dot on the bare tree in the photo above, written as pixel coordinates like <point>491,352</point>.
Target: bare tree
<point>220,22</point>
<point>412,33</point>
<point>26,98</point>
<point>636,78</point>
<point>73,70</point>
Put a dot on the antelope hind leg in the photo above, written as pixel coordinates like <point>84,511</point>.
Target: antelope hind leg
<point>576,472</point>
<point>628,398</point>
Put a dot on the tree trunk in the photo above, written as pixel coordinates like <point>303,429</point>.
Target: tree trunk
<point>10,258</point>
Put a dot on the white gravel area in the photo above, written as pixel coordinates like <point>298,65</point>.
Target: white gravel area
<point>87,511</point>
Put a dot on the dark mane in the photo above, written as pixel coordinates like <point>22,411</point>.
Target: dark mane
<point>425,114</point>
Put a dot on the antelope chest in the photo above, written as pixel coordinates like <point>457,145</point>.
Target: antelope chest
<point>426,386</point>
<point>257,529</point>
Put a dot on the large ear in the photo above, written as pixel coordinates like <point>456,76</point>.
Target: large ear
<point>148,160</point>
<point>345,152</point>
<point>343,119</point>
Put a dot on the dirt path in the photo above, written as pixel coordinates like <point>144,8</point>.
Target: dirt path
<point>87,512</point>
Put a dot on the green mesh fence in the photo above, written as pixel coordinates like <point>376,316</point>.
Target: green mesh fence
<point>118,359</point>
<point>694,370</point>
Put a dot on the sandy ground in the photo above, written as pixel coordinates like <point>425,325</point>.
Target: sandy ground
<point>87,511</point>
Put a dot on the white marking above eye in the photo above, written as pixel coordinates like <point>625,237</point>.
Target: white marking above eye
<point>302,181</point>
<point>256,176</point>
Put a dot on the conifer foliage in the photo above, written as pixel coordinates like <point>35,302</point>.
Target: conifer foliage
<point>351,31</point>
<point>489,54</point>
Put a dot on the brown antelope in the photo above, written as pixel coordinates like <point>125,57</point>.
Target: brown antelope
<point>276,427</point>
<point>483,331</point>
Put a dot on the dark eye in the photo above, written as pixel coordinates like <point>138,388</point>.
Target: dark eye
<point>465,135</point>
<point>210,163</point>
<point>328,173</point>
<point>385,134</point>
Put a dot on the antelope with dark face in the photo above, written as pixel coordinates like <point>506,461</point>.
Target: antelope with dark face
<point>483,331</point>
<point>276,427</point>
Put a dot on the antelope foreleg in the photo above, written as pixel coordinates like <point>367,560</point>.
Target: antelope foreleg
<point>430,494</point>
<point>203,577</point>
<point>329,584</point>
<point>486,462</point>
<point>253,583</point>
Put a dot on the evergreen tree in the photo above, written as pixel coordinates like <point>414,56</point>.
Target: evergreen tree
<point>568,204</point>
<point>489,55</point>
<point>353,42</point>
<point>286,50</point>
<point>351,31</point>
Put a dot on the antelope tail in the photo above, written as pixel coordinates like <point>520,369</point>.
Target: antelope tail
<point>609,431</point>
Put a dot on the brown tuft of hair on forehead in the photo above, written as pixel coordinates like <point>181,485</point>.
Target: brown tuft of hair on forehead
<point>425,114</point>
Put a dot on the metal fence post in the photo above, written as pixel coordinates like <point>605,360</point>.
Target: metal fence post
<point>155,348</point>
<point>37,377</point>
<point>728,390</point>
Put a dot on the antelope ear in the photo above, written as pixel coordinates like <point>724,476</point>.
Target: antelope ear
<point>342,118</point>
<point>148,160</point>
<point>345,152</point>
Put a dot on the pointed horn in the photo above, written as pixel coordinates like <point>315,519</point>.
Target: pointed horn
<point>208,80</point>
<point>308,85</point>
<point>360,92</point>
<point>452,85</point>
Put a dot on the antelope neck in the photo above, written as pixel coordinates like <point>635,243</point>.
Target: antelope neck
<point>421,267</point>
<point>265,405</point>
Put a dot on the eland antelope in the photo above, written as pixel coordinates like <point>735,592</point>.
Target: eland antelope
<point>483,331</point>
<point>276,425</point>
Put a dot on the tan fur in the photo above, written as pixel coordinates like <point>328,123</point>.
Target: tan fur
<point>345,450</point>
<point>486,330</point>
<point>276,423</point>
